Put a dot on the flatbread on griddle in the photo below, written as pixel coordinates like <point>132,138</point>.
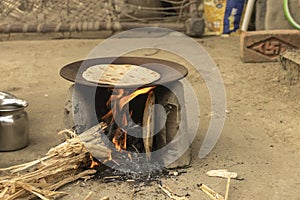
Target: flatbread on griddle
<point>120,74</point>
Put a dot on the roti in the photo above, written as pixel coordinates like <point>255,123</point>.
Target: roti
<point>120,74</point>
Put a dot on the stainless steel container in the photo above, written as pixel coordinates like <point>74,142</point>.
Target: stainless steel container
<point>5,95</point>
<point>14,129</point>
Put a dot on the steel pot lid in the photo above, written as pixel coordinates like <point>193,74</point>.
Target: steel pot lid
<point>6,95</point>
<point>12,104</point>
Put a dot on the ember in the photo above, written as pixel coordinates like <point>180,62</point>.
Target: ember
<point>120,139</point>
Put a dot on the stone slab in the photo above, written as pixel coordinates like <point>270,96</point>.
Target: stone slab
<point>266,46</point>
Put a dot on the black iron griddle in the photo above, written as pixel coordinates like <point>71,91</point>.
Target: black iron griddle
<point>169,71</point>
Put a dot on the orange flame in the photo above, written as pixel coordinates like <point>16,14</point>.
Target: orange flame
<point>93,163</point>
<point>127,99</point>
<point>120,139</point>
<point>118,101</point>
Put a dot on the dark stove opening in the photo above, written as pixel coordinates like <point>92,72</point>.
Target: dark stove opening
<point>135,123</point>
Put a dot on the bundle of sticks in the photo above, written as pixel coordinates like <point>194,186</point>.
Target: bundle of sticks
<point>63,164</point>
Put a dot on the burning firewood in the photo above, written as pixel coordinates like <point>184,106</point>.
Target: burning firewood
<point>148,123</point>
<point>63,164</point>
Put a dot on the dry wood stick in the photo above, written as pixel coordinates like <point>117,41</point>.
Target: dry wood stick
<point>132,194</point>
<point>88,196</point>
<point>3,193</point>
<point>170,193</point>
<point>210,192</point>
<point>21,167</point>
<point>50,170</point>
<point>227,188</point>
<point>40,193</point>
<point>61,162</point>
<point>16,195</point>
<point>85,173</point>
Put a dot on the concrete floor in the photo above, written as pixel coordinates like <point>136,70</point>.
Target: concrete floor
<point>260,139</point>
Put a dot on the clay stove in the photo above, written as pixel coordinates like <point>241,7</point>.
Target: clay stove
<point>89,104</point>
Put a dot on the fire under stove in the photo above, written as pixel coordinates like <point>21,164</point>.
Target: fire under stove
<point>138,122</point>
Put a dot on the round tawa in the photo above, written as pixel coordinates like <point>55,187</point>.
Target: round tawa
<point>120,75</point>
<point>168,71</point>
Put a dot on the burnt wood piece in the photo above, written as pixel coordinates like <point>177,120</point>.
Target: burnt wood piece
<point>148,124</point>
